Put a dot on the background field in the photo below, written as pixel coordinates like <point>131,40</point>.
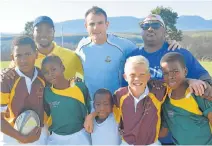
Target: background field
<point>206,64</point>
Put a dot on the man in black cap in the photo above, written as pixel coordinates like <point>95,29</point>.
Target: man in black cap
<point>43,34</point>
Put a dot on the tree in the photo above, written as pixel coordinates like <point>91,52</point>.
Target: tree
<point>170,19</point>
<point>28,29</point>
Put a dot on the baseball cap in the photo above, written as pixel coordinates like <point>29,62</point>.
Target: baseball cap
<point>153,17</point>
<point>43,19</point>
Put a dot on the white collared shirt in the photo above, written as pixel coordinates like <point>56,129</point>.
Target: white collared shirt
<point>27,79</point>
<point>136,100</point>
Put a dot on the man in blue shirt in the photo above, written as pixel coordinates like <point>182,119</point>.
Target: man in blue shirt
<point>153,34</point>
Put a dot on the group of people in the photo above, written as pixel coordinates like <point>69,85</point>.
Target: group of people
<point>107,92</point>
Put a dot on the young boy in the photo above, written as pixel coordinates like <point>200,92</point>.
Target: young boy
<point>139,104</point>
<point>106,130</point>
<point>66,104</point>
<point>24,92</point>
<point>185,115</point>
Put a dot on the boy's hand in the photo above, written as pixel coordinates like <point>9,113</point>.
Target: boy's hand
<point>197,86</point>
<point>163,132</point>
<point>173,44</point>
<point>7,74</point>
<point>210,117</point>
<point>208,92</point>
<point>88,124</point>
<point>32,136</point>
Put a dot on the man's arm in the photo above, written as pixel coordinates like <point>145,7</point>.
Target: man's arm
<point>79,69</point>
<point>196,71</point>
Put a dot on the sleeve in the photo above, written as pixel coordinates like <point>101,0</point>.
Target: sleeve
<point>159,89</point>
<point>116,108</point>
<point>195,69</point>
<point>85,91</point>
<point>163,121</point>
<point>129,48</point>
<point>5,92</point>
<point>79,68</point>
<point>204,104</point>
<point>47,111</point>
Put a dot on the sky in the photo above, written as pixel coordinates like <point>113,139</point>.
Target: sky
<point>15,13</point>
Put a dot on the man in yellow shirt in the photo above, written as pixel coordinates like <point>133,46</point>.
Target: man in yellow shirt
<point>43,34</point>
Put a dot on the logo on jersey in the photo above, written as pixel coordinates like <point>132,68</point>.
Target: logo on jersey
<point>156,72</point>
<point>108,59</point>
<point>171,114</point>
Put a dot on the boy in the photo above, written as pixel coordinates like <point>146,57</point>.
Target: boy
<point>186,115</point>
<point>106,130</point>
<point>24,92</point>
<point>139,103</point>
<point>66,104</point>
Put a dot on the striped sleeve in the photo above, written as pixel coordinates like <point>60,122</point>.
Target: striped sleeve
<point>86,95</point>
<point>116,107</point>
<point>5,91</point>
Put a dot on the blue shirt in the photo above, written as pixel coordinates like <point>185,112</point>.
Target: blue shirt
<point>103,64</point>
<point>195,69</point>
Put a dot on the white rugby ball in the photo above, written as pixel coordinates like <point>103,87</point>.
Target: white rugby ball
<point>27,121</point>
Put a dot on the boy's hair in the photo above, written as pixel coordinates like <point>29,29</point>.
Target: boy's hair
<point>23,40</point>
<point>103,91</point>
<point>172,57</point>
<point>136,60</point>
<point>97,11</point>
<point>51,58</point>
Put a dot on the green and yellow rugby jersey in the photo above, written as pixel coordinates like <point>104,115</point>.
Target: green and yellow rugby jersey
<point>66,109</point>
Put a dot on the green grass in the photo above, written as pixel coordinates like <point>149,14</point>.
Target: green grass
<point>205,64</point>
<point>4,64</point>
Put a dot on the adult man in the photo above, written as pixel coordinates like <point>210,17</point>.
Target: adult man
<point>153,34</point>
<point>103,55</point>
<point>43,34</point>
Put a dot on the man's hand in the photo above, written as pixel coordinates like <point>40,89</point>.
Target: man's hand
<point>197,86</point>
<point>173,44</point>
<point>32,136</point>
<point>210,117</point>
<point>7,74</point>
<point>88,124</point>
<point>208,92</point>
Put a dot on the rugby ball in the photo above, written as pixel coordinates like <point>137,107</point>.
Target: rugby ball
<point>27,121</point>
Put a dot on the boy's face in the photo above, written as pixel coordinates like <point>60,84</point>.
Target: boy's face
<point>24,57</point>
<point>137,76</point>
<point>103,105</point>
<point>53,72</point>
<point>173,73</point>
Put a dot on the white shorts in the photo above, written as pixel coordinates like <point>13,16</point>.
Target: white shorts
<point>7,140</point>
<point>78,138</point>
<point>156,143</point>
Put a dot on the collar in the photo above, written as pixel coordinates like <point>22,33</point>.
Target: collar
<point>143,95</point>
<point>187,93</point>
<point>23,75</point>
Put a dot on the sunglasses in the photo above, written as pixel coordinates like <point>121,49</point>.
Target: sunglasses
<point>146,26</point>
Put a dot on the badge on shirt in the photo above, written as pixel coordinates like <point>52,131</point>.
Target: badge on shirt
<point>171,114</point>
<point>108,59</point>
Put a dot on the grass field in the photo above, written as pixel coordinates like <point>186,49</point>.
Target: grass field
<point>207,65</point>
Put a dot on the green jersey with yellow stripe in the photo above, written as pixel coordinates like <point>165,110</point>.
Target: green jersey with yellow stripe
<point>187,120</point>
<point>67,108</point>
